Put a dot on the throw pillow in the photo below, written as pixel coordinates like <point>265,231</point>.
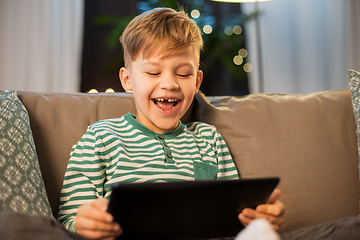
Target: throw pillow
<point>22,188</point>
<point>354,82</point>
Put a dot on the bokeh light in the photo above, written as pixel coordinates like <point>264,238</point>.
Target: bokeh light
<point>207,29</point>
<point>109,90</point>
<point>195,13</point>
<point>248,67</point>
<point>237,30</point>
<point>243,52</point>
<point>228,30</point>
<point>238,60</point>
<point>93,91</point>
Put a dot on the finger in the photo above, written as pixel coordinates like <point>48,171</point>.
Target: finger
<point>275,195</point>
<point>93,225</point>
<point>244,220</point>
<point>275,220</point>
<point>93,212</point>
<point>276,209</point>
<point>99,234</point>
<point>247,215</point>
<point>274,223</point>
<point>94,229</point>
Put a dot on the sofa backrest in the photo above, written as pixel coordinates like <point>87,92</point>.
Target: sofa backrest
<point>309,141</point>
<point>58,120</point>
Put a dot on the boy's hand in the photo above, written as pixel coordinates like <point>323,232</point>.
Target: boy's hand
<point>92,221</point>
<point>273,211</point>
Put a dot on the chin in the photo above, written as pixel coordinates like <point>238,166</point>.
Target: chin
<point>166,127</point>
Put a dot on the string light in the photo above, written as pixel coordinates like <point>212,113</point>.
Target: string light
<point>243,52</point>
<point>248,67</point>
<point>195,13</point>
<point>207,29</point>
<point>93,91</point>
<point>109,90</point>
<point>237,30</point>
<point>238,60</point>
<point>228,30</point>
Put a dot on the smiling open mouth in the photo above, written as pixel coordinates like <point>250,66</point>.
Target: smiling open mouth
<point>166,104</point>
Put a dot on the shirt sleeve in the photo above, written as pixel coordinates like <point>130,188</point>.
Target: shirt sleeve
<point>226,166</point>
<point>84,177</point>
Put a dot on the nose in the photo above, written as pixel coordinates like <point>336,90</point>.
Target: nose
<point>169,83</point>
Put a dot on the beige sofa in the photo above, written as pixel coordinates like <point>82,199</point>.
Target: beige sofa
<point>309,141</point>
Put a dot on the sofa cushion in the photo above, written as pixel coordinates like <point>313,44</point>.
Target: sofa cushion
<point>309,141</point>
<point>21,184</point>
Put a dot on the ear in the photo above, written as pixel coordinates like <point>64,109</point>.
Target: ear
<point>125,79</point>
<point>199,78</point>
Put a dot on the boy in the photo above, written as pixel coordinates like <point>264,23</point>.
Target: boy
<point>162,52</point>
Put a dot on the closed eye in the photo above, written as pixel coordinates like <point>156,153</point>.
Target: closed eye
<point>153,73</point>
<point>184,75</point>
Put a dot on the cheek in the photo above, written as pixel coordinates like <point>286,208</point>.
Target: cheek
<point>139,86</point>
<point>189,90</point>
<point>142,92</point>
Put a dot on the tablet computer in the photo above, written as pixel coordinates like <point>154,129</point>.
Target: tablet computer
<point>175,210</point>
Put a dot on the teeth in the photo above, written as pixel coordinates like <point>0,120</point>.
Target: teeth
<point>174,101</point>
<point>163,99</point>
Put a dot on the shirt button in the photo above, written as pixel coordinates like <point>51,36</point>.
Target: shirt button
<point>169,155</point>
<point>165,144</point>
<point>161,137</point>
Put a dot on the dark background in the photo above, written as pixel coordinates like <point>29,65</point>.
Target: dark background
<point>100,67</point>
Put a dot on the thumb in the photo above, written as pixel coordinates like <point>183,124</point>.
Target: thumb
<point>275,195</point>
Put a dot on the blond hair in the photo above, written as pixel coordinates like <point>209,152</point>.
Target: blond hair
<point>160,29</point>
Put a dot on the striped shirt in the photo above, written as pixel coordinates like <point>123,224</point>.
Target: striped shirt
<point>124,150</point>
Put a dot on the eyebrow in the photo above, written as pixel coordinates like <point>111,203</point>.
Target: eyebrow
<point>150,63</point>
<point>154,63</point>
<point>185,64</point>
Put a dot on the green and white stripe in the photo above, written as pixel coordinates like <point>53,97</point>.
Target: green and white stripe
<point>123,150</point>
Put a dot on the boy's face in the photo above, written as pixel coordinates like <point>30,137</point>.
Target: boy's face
<point>163,88</point>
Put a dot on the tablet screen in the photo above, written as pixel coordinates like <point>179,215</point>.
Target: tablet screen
<point>174,210</point>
